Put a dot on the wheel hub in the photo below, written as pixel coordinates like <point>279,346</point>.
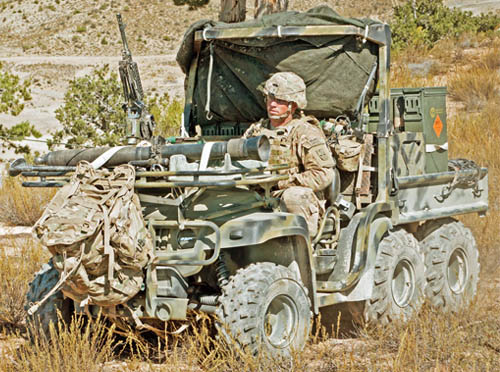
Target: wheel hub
<point>281,319</point>
<point>457,271</point>
<point>403,283</point>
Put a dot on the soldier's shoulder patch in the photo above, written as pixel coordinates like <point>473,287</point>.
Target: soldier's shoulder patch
<point>312,141</point>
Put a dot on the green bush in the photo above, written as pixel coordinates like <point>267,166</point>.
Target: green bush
<point>424,22</point>
<point>167,114</point>
<point>92,113</point>
<point>13,95</point>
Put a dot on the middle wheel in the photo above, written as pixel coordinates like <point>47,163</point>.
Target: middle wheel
<point>399,278</point>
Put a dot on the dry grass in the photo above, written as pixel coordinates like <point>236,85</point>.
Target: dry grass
<point>475,136</point>
<point>20,206</point>
<point>478,86</point>
<point>84,346</point>
<point>19,260</point>
<point>475,87</point>
<point>432,341</point>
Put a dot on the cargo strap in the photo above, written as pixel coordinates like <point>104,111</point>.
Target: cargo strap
<point>65,276</point>
<point>103,158</point>
<point>433,147</point>
<point>205,155</point>
<point>208,114</point>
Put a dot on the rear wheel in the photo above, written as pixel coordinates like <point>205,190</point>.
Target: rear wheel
<point>47,313</point>
<point>265,307</point>
<point>398,279</point>
<point>451,263</point>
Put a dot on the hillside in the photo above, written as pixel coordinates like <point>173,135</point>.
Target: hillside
<point>54,41</point>
<point>65,27</point>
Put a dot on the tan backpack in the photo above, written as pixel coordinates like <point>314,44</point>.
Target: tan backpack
<point>95,231</point>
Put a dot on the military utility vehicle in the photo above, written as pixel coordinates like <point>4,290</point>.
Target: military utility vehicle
<point>218,241</point>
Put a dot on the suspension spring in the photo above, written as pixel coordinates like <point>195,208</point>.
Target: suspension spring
<point>221,270</point>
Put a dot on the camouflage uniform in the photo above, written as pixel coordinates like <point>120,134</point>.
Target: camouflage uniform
<point>302,145</point>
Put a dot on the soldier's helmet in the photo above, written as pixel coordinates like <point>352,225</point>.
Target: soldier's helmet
<point>287,86</point>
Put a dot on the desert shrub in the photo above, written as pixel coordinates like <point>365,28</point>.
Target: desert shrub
<point>424,22</point>
<point>20,259</point>
<point>85,346</point>
<point>92,114</point>
<point>13,95</point>
<point>20,205</point>
<point>167,113</point>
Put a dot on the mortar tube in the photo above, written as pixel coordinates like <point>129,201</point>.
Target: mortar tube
<point>73,157</point>
<point>255,148</point>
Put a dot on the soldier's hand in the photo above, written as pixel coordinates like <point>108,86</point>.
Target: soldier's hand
<point>284,184</point>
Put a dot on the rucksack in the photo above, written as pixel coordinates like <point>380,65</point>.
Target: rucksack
<point>95,230</point>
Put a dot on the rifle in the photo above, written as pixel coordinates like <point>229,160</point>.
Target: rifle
<point>140,123</point>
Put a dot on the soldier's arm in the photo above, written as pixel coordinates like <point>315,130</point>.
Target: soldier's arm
<point>318,163</point>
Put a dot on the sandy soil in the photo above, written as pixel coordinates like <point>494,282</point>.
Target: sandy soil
<point>475,6</point>
<point>51,75</point>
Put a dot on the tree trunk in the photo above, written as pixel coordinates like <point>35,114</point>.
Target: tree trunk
<point>232,11</point>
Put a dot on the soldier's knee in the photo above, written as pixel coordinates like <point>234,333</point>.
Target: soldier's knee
<point>297,195</point>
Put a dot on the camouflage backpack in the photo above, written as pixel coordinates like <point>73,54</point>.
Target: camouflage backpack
<point>95,231</point>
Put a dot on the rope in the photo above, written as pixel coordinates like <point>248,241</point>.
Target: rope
<point>34,307</point>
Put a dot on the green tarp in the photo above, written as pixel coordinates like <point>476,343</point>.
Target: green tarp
<point>335,68</point>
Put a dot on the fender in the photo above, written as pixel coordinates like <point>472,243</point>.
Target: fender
<point>257,228</point>
<point>352,278</point>
<point>282,238</point>
<point>363,288</point>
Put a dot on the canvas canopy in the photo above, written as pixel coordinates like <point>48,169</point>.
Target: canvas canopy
<point>334,68</point>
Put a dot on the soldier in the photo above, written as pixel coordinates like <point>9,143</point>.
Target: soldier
<point>298,141</point>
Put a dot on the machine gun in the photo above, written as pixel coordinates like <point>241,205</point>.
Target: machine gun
<point>140,123</point>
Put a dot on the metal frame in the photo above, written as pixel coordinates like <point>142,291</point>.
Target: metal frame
<point>379,34</point>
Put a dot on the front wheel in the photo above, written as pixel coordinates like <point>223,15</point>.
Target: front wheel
<point>54,310</point>
<point>451,263</point>
<point>398,287</point>
<point>265,307</point>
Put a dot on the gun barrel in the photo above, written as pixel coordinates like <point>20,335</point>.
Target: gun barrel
<point>121,26</point>
<point>255,148</point>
